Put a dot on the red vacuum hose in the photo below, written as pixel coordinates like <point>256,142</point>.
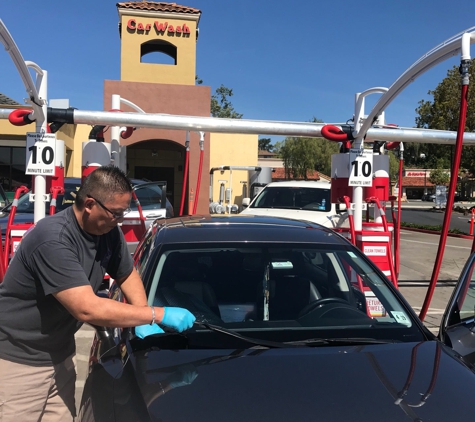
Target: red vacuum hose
<point>450,202</point>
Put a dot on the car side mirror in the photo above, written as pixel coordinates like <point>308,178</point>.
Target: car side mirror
<point>340,208</point>
<point>245,202</point>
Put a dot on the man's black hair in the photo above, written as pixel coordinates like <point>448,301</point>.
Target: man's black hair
<point>102,184</point>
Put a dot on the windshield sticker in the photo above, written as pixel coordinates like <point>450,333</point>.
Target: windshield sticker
<point>281,265</point>
<point>401,317</point>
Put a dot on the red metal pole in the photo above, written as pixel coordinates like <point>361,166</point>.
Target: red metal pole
<point>2,262</point>
<point>450,198</point>
<point>397,238</point>
<point>185,181</point>
<point>141,216</point>
<point>55,191</point>
<point>472,220</point>
<point>200,169</point>
<point>6,255</point>
<point>346,200</point>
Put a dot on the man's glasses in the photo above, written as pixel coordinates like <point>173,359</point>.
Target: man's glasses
<point>115,215</point>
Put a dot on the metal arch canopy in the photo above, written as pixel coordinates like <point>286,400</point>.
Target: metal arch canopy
<point>12,49</point>
<point>448,48</point>
<point>254,127</point>
<point>261,127</point>
<point>438,54</point>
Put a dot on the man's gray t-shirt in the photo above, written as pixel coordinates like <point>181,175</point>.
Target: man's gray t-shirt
<point>35,329</point>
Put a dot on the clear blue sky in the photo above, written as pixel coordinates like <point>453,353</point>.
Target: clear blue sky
<point>284,60</point>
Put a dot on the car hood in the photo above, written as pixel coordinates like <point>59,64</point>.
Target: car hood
<point>387,382</point>
<point>323,218</point>
<point>20,218</point>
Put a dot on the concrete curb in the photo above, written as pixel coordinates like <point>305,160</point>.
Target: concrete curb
<point>460,236</point>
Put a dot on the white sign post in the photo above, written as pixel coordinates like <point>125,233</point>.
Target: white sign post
<point>40,153</point>
<point>361,167</point>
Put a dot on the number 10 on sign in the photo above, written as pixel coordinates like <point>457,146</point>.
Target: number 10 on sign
<point>361,167</point>
<point>40,153</point>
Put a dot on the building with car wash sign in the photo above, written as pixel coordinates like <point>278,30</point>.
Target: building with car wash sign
<point>158,43</point>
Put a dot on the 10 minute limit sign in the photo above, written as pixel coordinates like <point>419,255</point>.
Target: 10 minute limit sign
<point>40,153</point>
<point>361,167</point>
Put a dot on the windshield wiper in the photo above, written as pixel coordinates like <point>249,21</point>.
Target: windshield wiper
<point>340,341</point>
<point>298,343</point>
<point>259,342</point>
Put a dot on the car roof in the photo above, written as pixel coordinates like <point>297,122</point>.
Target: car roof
<point>77,181</point>
<point>244,228</point>
<point>319,184</point>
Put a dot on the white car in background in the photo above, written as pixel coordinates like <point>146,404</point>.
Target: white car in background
<point>299,200</point>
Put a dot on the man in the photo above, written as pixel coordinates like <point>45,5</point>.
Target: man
<point>50,288</point>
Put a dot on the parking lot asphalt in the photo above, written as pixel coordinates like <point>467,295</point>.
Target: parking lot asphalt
<point>417,257</point>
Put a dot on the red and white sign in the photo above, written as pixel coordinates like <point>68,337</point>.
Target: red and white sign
<point>375,307</point>
<point>375,250</point>
<point>416,174</point>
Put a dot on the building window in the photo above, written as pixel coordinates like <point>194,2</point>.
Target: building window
<point>158,52</point>
<point>12,168</point>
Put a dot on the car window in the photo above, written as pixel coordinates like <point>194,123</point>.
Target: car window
<point>62,202</point>
<point>468,307</point>
<point>281,289</point>
<point>301,198</point>
<point>144,249</point>
<point>149,196</point>
<point>466,300</point>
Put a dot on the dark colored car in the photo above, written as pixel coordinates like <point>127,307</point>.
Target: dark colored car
<point>293,323</point>
<point>149,195</point>
<point>429,197</point>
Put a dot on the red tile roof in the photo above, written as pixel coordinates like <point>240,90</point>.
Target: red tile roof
<point>416,182</point>
<point>279,174</point>
<point>159,6</point>
<point>263,152</point>
<point>4,100</point>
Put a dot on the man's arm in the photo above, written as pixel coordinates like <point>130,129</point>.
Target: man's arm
<point>86,306</point>
<point>133,290</point>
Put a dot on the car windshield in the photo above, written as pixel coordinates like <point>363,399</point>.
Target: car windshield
<point>296,198</point>
<point>279,293</point>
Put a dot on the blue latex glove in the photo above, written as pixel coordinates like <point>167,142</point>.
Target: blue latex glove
<point>177,318</point>
<point>143,331</point>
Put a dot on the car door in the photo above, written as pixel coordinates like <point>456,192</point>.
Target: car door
<point>458,323</point>
<point>150,198</point>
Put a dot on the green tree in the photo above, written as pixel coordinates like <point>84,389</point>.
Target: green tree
<point>393,165</point>
<point>323,158</point>
<point>277,147</point>
<point>221,106</point>
<point>265,144</point>
<point>298,155</point>
<point>301,156</point>
<point>439,177</point>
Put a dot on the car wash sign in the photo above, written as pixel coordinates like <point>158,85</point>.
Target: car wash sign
<point>361,167</point>
<point>40,153</point>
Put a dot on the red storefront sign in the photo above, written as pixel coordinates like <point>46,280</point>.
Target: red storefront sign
<point>415,173</point>
<point>160,28</point>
